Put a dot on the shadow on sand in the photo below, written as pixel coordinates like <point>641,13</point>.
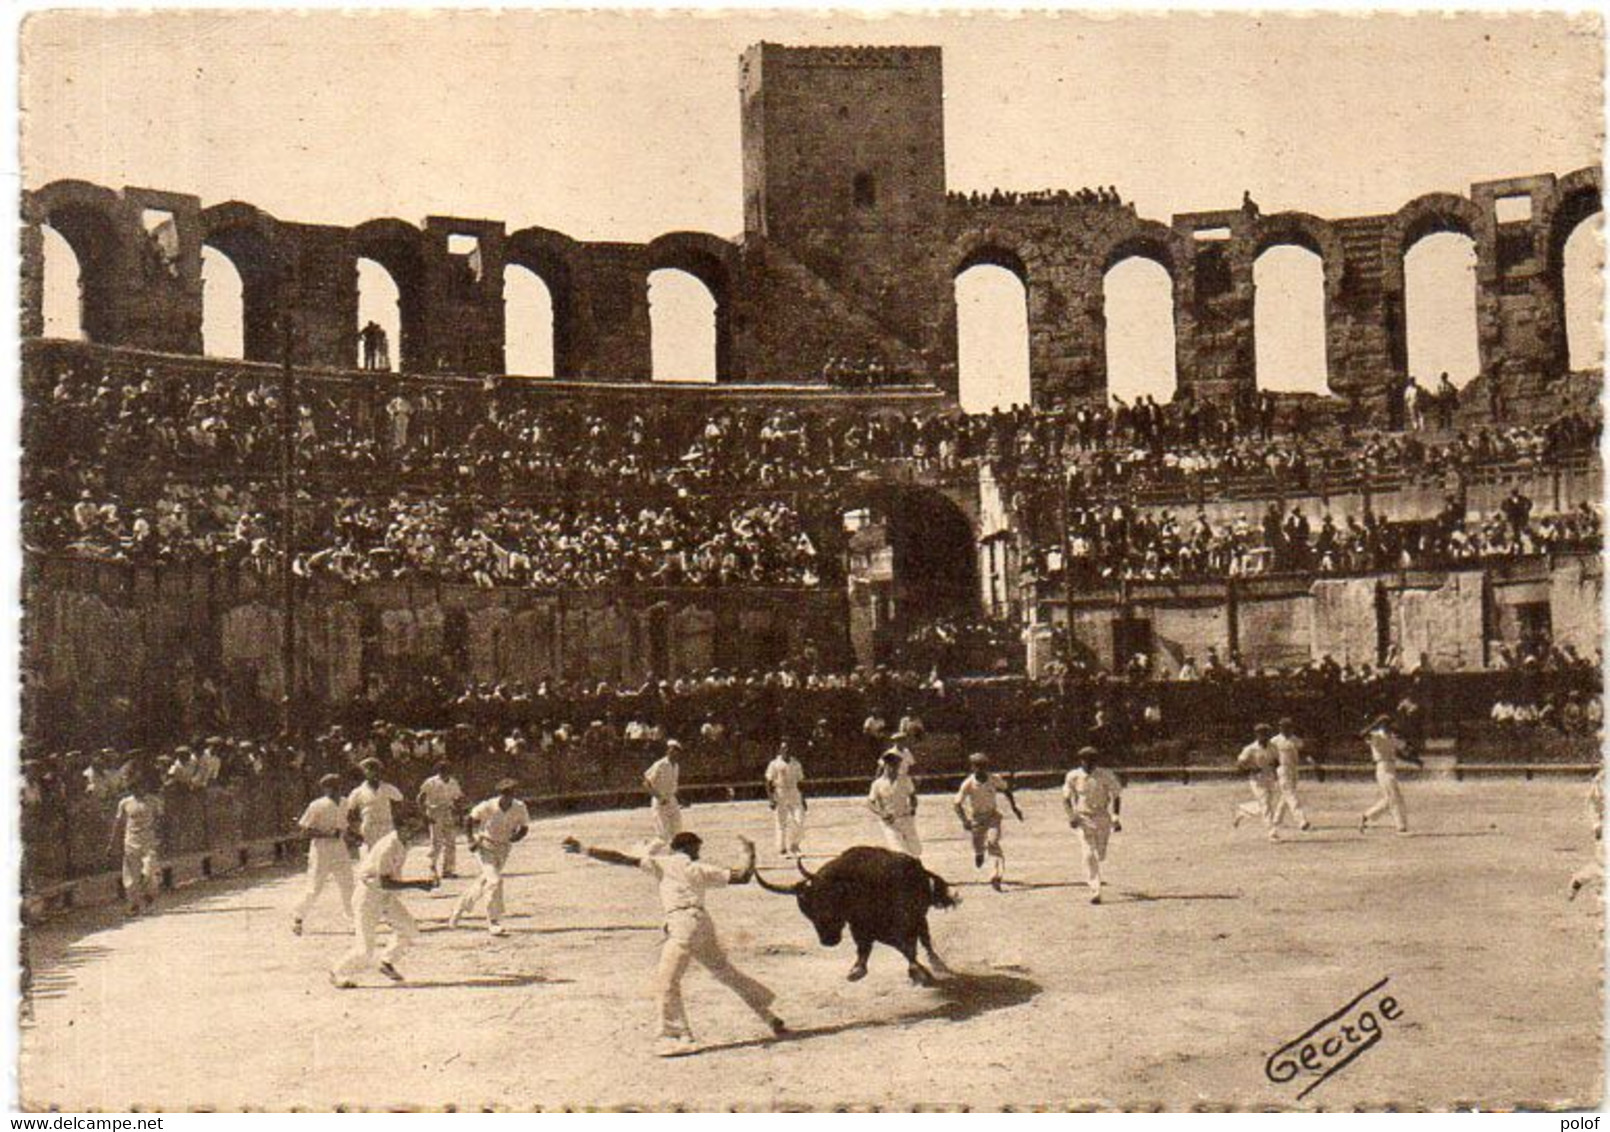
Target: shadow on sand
<point>960,997</point>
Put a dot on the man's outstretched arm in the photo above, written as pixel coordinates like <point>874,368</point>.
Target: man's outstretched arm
<point>599,853</point>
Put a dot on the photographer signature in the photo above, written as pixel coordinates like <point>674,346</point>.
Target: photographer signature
<point>1336,1040</point>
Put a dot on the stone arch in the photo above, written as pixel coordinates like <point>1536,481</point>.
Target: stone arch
<point>551,257</point>
<point>713,262</point>
<point>1421,217</point>
<point>399,247</point>
<point>1155,243</point>
<point>255,243</point>
<point>990,249</point>
<point>933,544</point>
<point>1312,234</point>
<point>1577,196</point>
<point>91,219</point>
<point>1300,229</point>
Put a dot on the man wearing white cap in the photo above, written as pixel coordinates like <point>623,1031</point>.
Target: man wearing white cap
<point>324,823</point>
<point>893,798</point>
<point>494,826</point>
<point>662,780</point>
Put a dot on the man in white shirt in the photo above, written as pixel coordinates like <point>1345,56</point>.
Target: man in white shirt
<point>439,797</point>
<point>369,806</point>
<point>979,809</point>
<point>1594,870</point>
<point>379,876</point>
<point>1386,749</point>
<point>1092,799</point>
<point>208,764</point>
<point>690,934</point>
<point>135,826</point>
<point>1289,750</point>
<point>494,826</point>
<point>784,779</point>
<point>662,779</point>
<point>324,824</point>
<point>893,798</point>
<point>1258,760</point>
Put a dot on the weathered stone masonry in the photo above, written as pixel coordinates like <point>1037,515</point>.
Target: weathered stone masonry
<point>850,249</point>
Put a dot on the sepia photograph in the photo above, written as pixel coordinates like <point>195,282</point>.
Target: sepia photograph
<point>809,560</point>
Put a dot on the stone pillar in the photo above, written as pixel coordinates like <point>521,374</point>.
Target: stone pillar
<point>610,330</point>
<point>464,296</point>
<point>323,295</point>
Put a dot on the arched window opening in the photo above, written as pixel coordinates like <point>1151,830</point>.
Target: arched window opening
<point>379,332</point>
<point>528,324</point>
<point>1289,321</point>
<point>1439,309</point>
<point>682,322</point>
<point>992,339</point>
<point>1138,299</point>
<point>63,294</point>
<point>1583,284</point>
<point>223,306</point>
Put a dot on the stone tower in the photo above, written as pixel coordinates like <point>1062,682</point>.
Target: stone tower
<point>844,192</point>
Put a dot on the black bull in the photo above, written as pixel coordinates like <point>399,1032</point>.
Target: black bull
<point>881,895</point>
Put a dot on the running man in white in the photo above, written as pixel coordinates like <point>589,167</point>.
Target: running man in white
<point>439,798</point>
<point>893,798</point>
<point>134,829</point>
<point>1386,749</point>
<point>1092,799</point>
<point>980,813</point>
<point>662,780</point>
<point>1289,749</point>
<point>1258,761</point>
<point>784,779</point>
<point>369,806</point>
<point>1594,870</point>
<point>324,823</point>
<point>494,826</point>
<point>690,934</point>
<point>379,876</point>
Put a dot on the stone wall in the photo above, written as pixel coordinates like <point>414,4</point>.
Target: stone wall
<point>850,250</point>
<point>1456,619</point>
<point>105,642</point>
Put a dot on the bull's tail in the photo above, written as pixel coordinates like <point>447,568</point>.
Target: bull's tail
<point>940,894</point>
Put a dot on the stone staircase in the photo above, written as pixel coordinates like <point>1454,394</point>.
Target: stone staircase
<point>893,350</point>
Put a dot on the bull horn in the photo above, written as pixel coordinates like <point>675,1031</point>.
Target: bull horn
<point>780,889</point>
<point>799,863</point>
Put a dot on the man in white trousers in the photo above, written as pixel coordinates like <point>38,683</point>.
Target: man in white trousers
<point>784,779</point>
<point>1289,750</point>
<point>1092,799</point>
<point>1258,760</point>
<point>690,934</point>
<point>494,826</point>
<point>893,798</point>
<point>372,804</point>
<point>324,824</point>
<point>1386,749</point>
<point>1594,870</point>
<point>379,876</point>
<point>439,798</point>
<point>662,780</point>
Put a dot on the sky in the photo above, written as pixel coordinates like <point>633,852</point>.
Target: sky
<point>625,125</point>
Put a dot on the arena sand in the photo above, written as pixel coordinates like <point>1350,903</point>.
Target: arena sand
<point>1213,949</point>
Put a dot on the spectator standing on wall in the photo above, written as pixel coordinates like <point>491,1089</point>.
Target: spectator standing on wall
<point>373,340</point>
